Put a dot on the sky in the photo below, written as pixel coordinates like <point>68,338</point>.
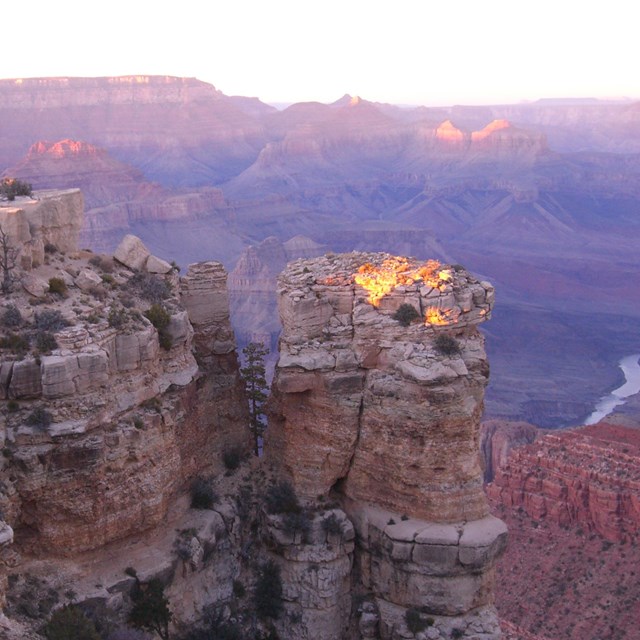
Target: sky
<point>399,51</point>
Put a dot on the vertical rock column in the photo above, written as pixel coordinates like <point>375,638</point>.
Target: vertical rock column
<point>376,402</point>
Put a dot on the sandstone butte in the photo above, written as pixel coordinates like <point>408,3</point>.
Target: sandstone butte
<point>384,418</point>
<point>374,423</point>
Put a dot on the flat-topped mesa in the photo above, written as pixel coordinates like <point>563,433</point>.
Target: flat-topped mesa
<point>379,387</point>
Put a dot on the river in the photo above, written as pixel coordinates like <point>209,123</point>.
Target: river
<point>631,370</point>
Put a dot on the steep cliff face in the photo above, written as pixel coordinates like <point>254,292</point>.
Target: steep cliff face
<point>497,440</point>
<point>585,477</point>
<point>49,217</point>
<point>376,402</point>
<point>106,414</point>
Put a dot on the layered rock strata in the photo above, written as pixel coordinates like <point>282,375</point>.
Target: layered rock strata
<point>376,402</point>
<point>48,218</point>
<point>106,426</point>
<point>587,477</point>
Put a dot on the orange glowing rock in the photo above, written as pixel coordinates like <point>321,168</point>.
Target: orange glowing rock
<point>393,272</point>
<point>449,132</point>
<point>496,125</point>
<point>436,316</point>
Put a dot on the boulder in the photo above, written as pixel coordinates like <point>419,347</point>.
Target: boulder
<point>132,253</point>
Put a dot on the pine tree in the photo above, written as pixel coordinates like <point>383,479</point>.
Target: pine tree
<point>8,261</point>
<point>150,609</point>
<point>255,382</point>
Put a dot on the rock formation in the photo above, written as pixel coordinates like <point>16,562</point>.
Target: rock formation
<point>107,414</point>
<point>376,403</point>
<point>587,477</point>
<point>497,440</point>
<point>49,218</point>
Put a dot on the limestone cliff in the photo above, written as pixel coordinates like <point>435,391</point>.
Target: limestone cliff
<point>376,403</point>
<point>119,386</point>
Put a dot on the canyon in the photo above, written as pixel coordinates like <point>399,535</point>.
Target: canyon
<point>570,500</point>
<point>540,198</point>
<point>124,431</point>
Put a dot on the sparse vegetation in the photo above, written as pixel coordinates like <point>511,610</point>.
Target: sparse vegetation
<point>45,342</point>
<point>50,320</point>
<point>117,317</point>
<point>70,623</point>
<point>232,458</point>
<point>57,286</point>
<point>16,343</point>
<point>202,494</point>
<point>150,287</point>
<point>447,345</point>
<point>12,187</point>
<point>39,418</point>
<point>255,382</point>
<point>268,591</point>
<point>150,609</point>
<point>50,248</point>
<point>295,522</point>
<point>160,319</point>
<point>8,260</point>
<point>11,316</point>
<point>331,525</point>
<point>414,621</point>
<point>406,314</point>
<point>281,498</point>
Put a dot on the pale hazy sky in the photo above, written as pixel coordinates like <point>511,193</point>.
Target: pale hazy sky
<point>402,51</point>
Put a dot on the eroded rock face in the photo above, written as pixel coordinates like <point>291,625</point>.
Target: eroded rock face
<point>586,477</point>
<point>376,401</point>
<point>51,217</point>
<point>362,400</point>
<point>109,427</point>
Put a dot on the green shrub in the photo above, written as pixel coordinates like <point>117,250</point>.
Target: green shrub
<point>457,633</point>
<point>150,609</point>
<point>12,187</point>
<point>58,286</point>
<point>406,314</point>
<point>160,319</point>
<point>414,622</point>
<point>268,591</point>
<point>281,498</point>
<point>50,248</point>
<point>11,316</point>
<point>50,320</point>
<point>12,406</point>
<point>117,317</point>
<point>297,522</point>
<point>150,287</point>
<point>107,278</point>
<point>45,342</point>
<point>70,623</point>
<point>39,418</point>
<point>202,494</point>
<point>232,458</point>
<point>16,343</point>
<point>446,345</point>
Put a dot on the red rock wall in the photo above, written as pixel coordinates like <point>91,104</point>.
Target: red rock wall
<point>588,477</point>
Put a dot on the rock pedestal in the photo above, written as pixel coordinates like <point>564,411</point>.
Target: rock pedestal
<point>376,402</point>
